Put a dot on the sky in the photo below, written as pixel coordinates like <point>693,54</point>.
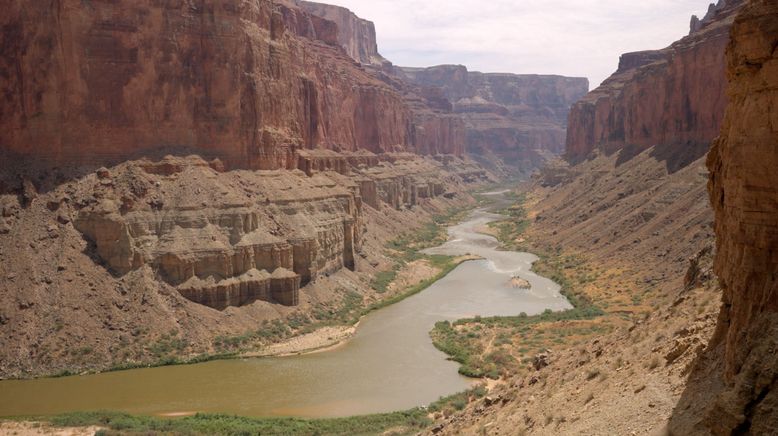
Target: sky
<point>581,38</point>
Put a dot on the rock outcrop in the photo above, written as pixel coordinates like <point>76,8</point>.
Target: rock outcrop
<point>744,193</point>
<point>674,97</point>
<point>249,83</point>
<point>225,247</point>
<point>434,127</point>
<point>519,119</point>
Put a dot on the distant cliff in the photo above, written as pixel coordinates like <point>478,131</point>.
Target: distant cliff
<point>673,96</point>
<point>518,118</point>
<point>434,128</point>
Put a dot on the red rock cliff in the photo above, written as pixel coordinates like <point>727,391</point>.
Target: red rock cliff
<point>356,35</point>
<point>249,82</point>
<point>519,118</point>
<point>744,193</point>
<point>674,96</point>
<point>435,128</point>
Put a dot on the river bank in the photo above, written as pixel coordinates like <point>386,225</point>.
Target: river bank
<point>390,353</point>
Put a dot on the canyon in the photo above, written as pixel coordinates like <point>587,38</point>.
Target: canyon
<point>199,169</point>
<point>185,179</point>
<point>237,157</point>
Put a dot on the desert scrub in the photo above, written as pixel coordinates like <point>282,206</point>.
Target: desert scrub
<point>406,422</point>
<point>452,403</point>
<point>457,339</point>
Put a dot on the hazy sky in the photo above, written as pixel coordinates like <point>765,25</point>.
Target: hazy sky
<point>568,37</point>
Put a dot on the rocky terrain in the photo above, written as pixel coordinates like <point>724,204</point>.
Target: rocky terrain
<point>734,387</point>
<point>517,120</point>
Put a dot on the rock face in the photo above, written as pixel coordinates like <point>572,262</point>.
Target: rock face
<point>356,35</point>
<point>673,97</point>
<point>744,193</point>
<point>518,118</point>
<point>435,128</point>
<point>249,82</point>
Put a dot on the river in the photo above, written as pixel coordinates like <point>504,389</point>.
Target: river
<point>389,365</point>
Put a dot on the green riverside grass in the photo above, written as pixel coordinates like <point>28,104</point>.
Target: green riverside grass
<point>405,422</point>
<point>401,423</point>
<point>466,351</point>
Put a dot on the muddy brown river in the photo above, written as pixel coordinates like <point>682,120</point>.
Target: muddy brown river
<point>389,365</point>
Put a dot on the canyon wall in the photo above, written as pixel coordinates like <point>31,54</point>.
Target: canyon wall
<point>743,190</point>
<point>435,127</point>
<point>520,119</point>
<point>674,97</point>
<point>249,83</point>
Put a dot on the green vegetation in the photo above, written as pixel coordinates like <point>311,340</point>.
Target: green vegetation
<point>401,423</point>
<point>458,401</point>
<point>446,264</point>
<point>460,340</point>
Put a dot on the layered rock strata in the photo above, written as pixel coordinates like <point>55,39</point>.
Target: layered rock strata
<point>520,119</point>
<point>222,247</point>
<point>744,193</point>
<point>118,258</point>
<point>248,83</point>
<point>356,35</point>
<point>674,97</point>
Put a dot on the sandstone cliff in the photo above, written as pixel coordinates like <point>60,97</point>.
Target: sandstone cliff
<point>435,128</point>
<point>356,35</point>
<point>735,387</point>
<point>519,119</point>
<point>250,83</point>
<point>674,97</point>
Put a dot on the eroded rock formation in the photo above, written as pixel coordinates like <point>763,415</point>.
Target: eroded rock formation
<point>673,97</point>
<point>519,119</point>
<point>278,231</point>
<point>119,257</point>
<point>744,193</point>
